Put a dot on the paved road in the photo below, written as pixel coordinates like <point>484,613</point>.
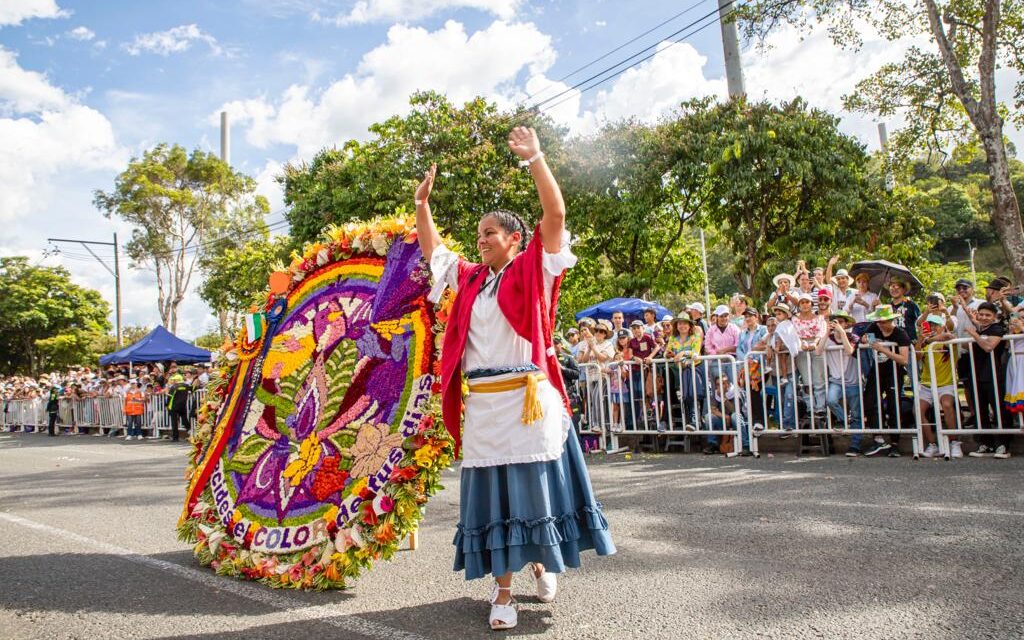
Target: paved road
<point>708,547</point>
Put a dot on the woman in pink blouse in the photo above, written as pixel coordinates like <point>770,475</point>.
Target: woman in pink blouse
<point>811,329</point>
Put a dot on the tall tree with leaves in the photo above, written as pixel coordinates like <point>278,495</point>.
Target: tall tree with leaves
<point>235,277</point>
<point>48,320</point>
<point>630,211</point>
<point>782,183</point>
<point>175,202</point>
<point>947,91</point>
<point>475,172</point>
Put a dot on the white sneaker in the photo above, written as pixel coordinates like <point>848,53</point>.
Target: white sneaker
<point>1001,452</point>
<point>981,452</point>
<point>955,451</point>
<point>930,451</point>
<point>140,438</point>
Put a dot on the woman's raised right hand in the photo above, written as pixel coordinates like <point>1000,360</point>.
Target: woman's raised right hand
<point>423,191</point>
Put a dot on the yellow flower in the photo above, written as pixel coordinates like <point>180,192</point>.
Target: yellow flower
<point>424,457</point>
<point>357,486</point>
<point>331,514</point>
<point>309,455</point>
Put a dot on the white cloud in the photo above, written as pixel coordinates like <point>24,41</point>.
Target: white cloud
<point>647,92</point>
<point>45,131</point>
<point>82,33</point>
<point>13,12</point>
<point>267,186</point>
<point>449,60</point>
<point>174,40</point>
<point>23,91</point>
<point>412,10</point>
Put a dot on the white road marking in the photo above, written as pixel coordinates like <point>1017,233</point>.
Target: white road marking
<point>327,614</point>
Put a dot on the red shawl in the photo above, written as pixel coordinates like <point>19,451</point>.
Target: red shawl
<point>521,299</point>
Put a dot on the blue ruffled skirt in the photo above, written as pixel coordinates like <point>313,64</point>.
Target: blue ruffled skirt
<point>514,514</point>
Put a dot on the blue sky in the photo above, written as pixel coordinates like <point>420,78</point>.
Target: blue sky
<point>86,85</point>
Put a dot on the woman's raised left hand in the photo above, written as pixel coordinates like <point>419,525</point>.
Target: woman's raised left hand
<point>523,142</point>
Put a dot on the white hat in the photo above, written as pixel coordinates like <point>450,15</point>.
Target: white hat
<point>783,276</point>
<point>721,310</point>
<point>695,306</point>
<point>667,318</point>
<point>804,296</point>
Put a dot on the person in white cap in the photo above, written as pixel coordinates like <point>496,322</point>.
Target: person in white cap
<point>696,312</point>
<point>722,338</point>
<point>838,286</point>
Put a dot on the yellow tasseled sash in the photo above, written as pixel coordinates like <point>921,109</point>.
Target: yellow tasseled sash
<point>532,411</point>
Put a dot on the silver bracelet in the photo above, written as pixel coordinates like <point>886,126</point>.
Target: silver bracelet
<point>419,202</point>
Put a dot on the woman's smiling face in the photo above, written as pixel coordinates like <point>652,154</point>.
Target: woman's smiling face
<point>496,245</point>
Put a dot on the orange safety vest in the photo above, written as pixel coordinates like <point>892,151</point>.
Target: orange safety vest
<point>133,404</point>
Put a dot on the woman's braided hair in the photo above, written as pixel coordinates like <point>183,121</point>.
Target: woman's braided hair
<point>511,223</point>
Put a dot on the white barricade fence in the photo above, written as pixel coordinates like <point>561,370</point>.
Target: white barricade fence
<point>830,391</point>
<point>80,415</point>
<point>595,418</point>
<point>25,415</point>
<point>979,387</point>
<point>672,398</point>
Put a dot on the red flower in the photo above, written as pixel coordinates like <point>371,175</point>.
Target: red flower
<point>367,494</point>
<point>329,479</point>
<point>403,474</point>
<point>369,516</point>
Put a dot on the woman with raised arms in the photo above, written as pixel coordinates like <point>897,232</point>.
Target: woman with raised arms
<point>526,497</point>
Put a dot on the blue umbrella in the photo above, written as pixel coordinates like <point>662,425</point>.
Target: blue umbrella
<point>631,308</point>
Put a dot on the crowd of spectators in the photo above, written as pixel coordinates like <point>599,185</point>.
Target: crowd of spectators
<point>131,389</point>
<point>820,343</point>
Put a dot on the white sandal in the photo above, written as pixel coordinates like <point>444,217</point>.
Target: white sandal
<point>503,616</point>
<point>547,584</point>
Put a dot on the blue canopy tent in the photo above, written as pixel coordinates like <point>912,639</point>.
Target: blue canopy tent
<point>159,346</point>
<point>631,308</point>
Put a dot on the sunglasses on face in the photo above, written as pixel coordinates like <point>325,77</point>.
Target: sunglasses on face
<point>961,286</point>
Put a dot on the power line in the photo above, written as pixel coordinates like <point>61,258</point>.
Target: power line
<point>638,62</point>
<point>540,105</point>
<point>619,48</point>
<point>193,248</point>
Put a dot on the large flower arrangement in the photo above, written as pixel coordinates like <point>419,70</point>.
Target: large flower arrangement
<point>307,466</point>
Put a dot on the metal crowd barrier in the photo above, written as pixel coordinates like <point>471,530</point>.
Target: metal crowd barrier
<point>97,414</point>
<point>796,390</point>
<point>664,397</point>
<point>978,399</point>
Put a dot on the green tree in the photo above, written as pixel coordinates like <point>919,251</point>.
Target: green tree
<point>176,202</point>
<point>210,341</point>
<point>49,321</point>
<point>783,183</point>
<point>129,335</point>
<point>629,210</point>
<point>476,173</point>
<point>947,91</point>
<point>236,277</point>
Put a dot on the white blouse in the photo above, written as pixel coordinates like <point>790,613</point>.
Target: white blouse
<point>494,433</point>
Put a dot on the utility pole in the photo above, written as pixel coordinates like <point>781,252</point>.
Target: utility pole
<point>116,272</point>
<point>883,138</point>
<point>225,138</point>
<point>731,49</point>
<point>974,273</point>
<point>707,282</point>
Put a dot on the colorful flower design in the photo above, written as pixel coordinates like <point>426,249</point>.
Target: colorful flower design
<point>314,409</point>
